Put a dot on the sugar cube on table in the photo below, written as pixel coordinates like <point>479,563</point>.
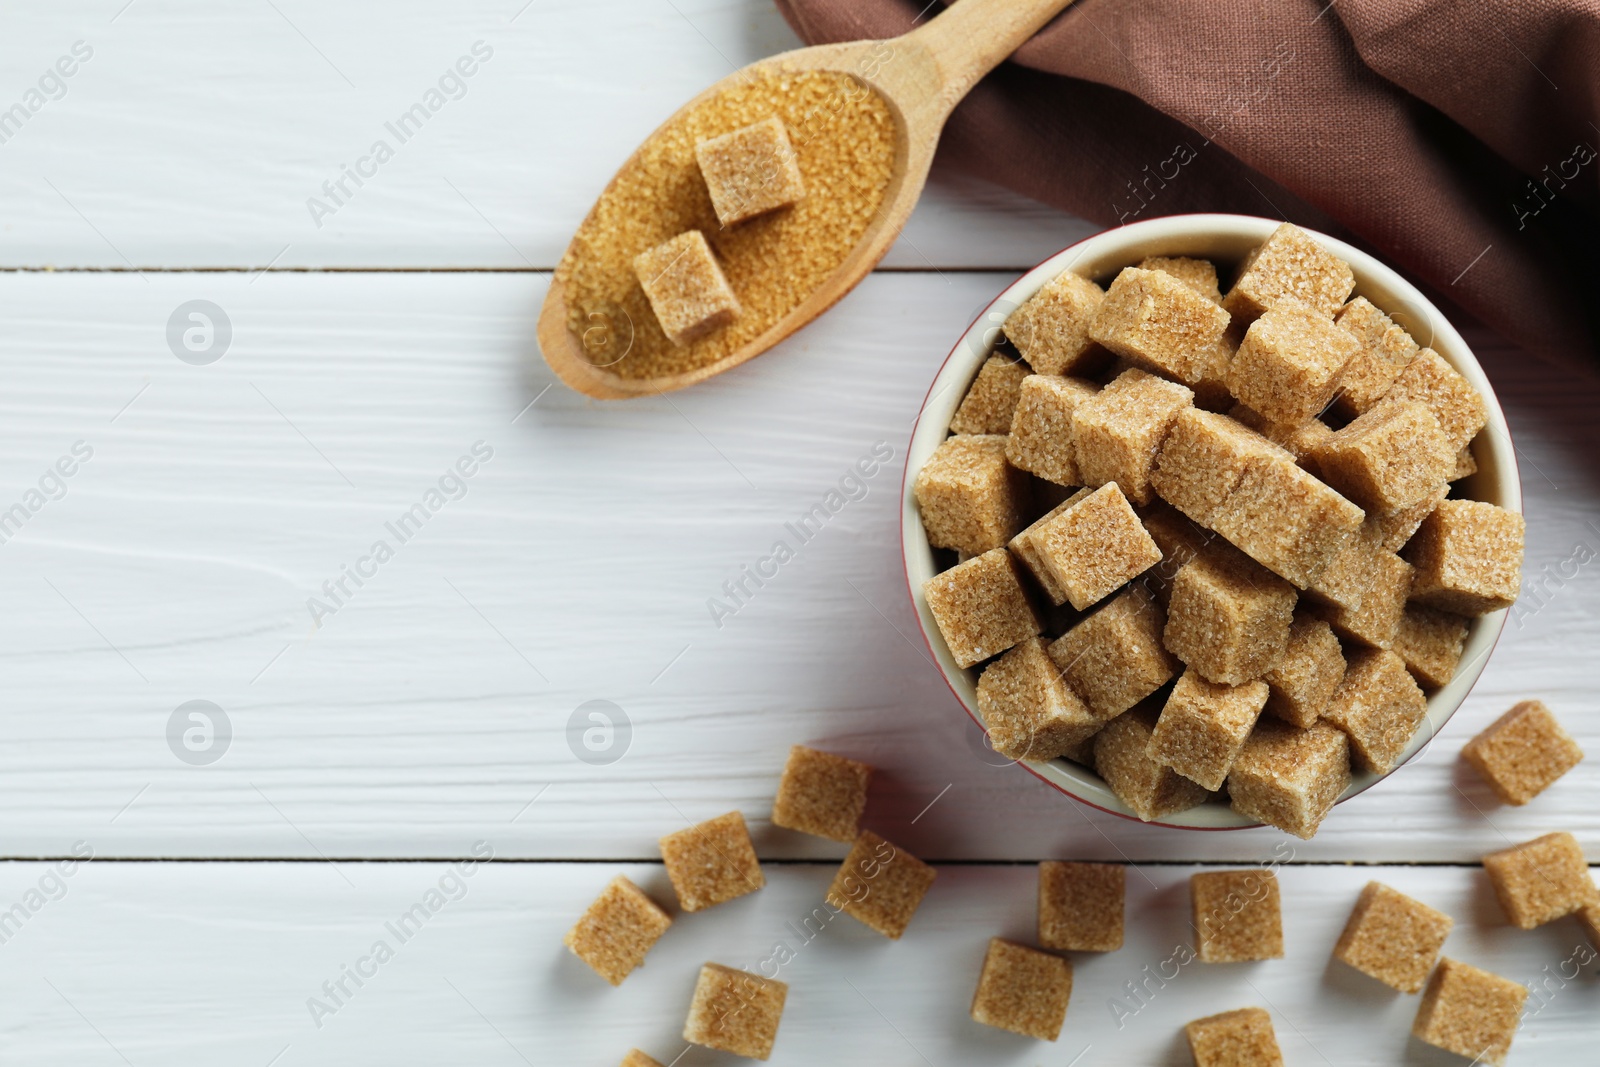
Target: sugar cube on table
<point>1456,405</point>
<point>1203,459</point>
<point>1392,937</point>
<point>1198,274</point>
<point>617,930</point>
<point>1028,709</point>
<point>969,497</point>
<point>821,794</point>
<point>735,1011</point>
<point>1290,777</point>
<point>1081,906</point>
<point>1051,327</point>
<point>1363,591</point>
<point>1148,787</point>
<point>991,400</point>
<point>1541,880</point>
<point>1288,365</point>
<point>1304,679</point>
<point>1237,916</point>
<point>1468,557</point>
<point>686,287</point>
<point>1241,1038</point>
<point>712,862</point>
<point>1385,351</point>
<point>1387,459</point>
<point>1379,705</point>
<point>1117,433</point>
<point>635,1058</point>
<point>1114,658</point>
<point>1289,266</point>
<point>1203,727</point>
<point>1041,427</point>
<point>1523,752</point>
<point>750,171</point>
<point>1023,990</point>
<point>1159,322</point>
<point>1430,642</point>
<point>1470,1012</point>
<point>1094,546</point>
<point>1286,520</point>
<point>880,885</point>
<point>1228,617</point>
<point>980,607</point>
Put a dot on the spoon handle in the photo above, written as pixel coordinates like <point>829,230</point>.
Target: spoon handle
<point>971,37</point>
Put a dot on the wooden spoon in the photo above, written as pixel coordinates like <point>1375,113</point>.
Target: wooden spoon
<point>926,74</point>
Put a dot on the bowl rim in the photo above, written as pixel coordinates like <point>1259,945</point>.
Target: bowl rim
<point>1501,475</point>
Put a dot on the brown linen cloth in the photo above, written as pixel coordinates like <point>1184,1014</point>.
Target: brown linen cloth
<point>1456,139</point>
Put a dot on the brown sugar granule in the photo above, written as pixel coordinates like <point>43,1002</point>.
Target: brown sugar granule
<point>1470,1012</point>
<point>735,1011</point>
<point>821,794</point>
<point>1523,752</point>
<point>1379,705</point>
<point>1029,710</point>
<point>1041,427</point>
<point>1468,557</point>
<point>1392,937</point>
<point>991,400</point>
<point>1114,658</point>
<point>1308,673</point>
<point>843,134</point>
<point>880,885</point>
<point>969,497</point>
<point>1541,880</point>
<point>1198,274</point>
<point>1286,520</point>
<point>685,287</point>
<point>1093,547</point>
<point>1386,349</point>
<point>712,862</point>
<point>1431,643</point>
<point>617,931</point>
<point>1387,459</point>
<point>1432,382</point>
<point>980,607</point>
<point>1117,433</point>
<point>1237,916</point>
<point>1159,322</point>
<point>750,171</point>
<point>1148,787</point>
<point>1081,906</point>
<point>1242,1038</point>
<point>1203,727</point>
<point>1289,362</point>
<point>1022,990</point>
<point>1289,266</point>
<point>1288,777</point>
<point>635,1058</point>
<point>1051,328</point>
<point>1228,617</point>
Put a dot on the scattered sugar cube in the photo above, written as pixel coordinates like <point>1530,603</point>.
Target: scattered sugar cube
<point>617,930</point>
<point>1393,529</point>
<point>1122,757</point>
<point>1237,916</point>
<point>1393,938</point>
<point>1180,540</point>
<point>1466,464</point>
<point>1364,590</point>
<point>1390,458</point>
<point>970,498</point>
<point>1028,709</point>
<point>1468,556</point>
<point>1289,266</point>
<point>1431,643</point>
<point>1041,429</point>
<point>1051,328</point>
<point>991,399</point>
<point>1198,274</point>
<point>880,884</point>
<point>750,171</point>
<point>821,794</point>
<point>1523,752</point>
<point>980,607</point>
<point>1289,362</point>
<point>1023,990</point>
<point>1228,617</point>
<point>1470,1012</point>
<point>1385,351</point>
<point>1288,777</point>
<point>1433,383</point>
<point>1117,433</point>
<point>1159,322</point>
<point>1242,1038</point>
<point>1023,547</point>
<point>735,1011</point>
<point>1202,460</point>
<point>635,1058</point>
<point>712,862</point>
<point>1114,658</point>
<point>1093,547</point>
<point>1081,906</point>
<point>686,288</point>
<point>1203,726</point>
<point>1541,880</point>
<point>1379,705</point>
<point>1305,677</point>
<point>1286,520</point>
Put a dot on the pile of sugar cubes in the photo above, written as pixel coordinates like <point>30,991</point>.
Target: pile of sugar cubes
<point>1207,542</point>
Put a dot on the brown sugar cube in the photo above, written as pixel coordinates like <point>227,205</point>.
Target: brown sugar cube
<point>1365,589</point>
<point>712,862</point>
<point>1081,906</point>
<point>1304,679</point>
<point>1198,274</point>
<point>1041,428</point>
<point>1051,328</point>
<point>1024,548</point>
<point>1117,433</point>
<point>1388,459</point>
<point>1393,529</point>
<point>635,1058</point>
<point>735,1011</point>
<point>750,171</point>
<point>1159,322</point>
<point>991,399</point>
<point>1022,990</point>
<point>1029,710</point>
<point>1430,642</point>
<point>1298,439</point>
<point>1237,916</point>
<point>1386,349</point>
<point>1523,752</point>
<point>1393,938</point>
<point>1242,1038</point>
<point>1211,391</point>
<point>1115,658</point>
<point>1468,556</point>
<point>821,794</point>
<point>1289,266</point>
<point>1203,726</point>
<point>1541,880</point>
<point>1228,617</point>
<point>686,288</point>
<point>1202,460</point>
<point>617,930</point>
<point>1433,383</point>
<point>980,607</point>
<point>1288,364</point>
<point>880,885</point>
<point>969,497</point>
<point>1180,540</point>
<point>1093,547</point>
<point>1122,757</point>
<point>1379,705</point>
<point>1286,520</point>
<point>1288,777</point>
<point>1470,1012</point>
<point>1466,464</point>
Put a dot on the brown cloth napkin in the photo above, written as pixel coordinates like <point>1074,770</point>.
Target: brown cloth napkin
<point>1456,139</point>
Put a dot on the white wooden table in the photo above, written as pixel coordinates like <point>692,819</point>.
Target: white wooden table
<point>374,743</point>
